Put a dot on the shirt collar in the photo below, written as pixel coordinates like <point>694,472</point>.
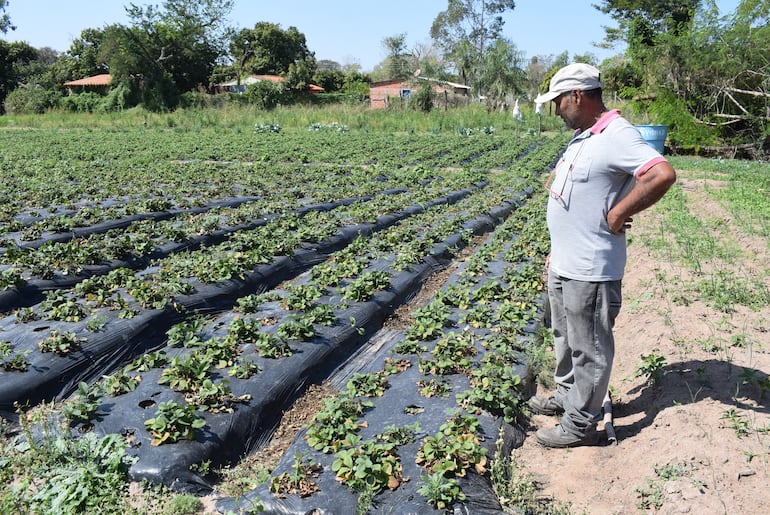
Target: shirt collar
<point>598,127</point>
<point>604,121</point>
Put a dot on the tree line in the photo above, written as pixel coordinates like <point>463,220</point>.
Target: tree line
<point>685,65</point>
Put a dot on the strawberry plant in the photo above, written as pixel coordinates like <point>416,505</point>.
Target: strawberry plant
<point>367,466</point>
<point>301,297</point>
<point>186,373</point>
<point>268,345</point>
<point>83,404</point>
<point>13,361</point>
<point>450,355</point>
<point>321,314</point>
<point>495,388</point>
<point>334,422</point>
<point>428,321</point>
<point>409,347</point>
<point>490,291</point>
<point>10,278</point>
<point>149,361</point>
<point>363,288</point>
<point>214,397</point>
<point>26,315</point>
<point>296,328</point>
<point>173,422</point>
<point>372,384</point>
<point>244,369</point>
<point>63,308</point>
<point>433,388</point>
<point>478,316</point>
<point>454,449</point>
<point>119,383</point>
<point>221,352</point>
<point>457,296</point>
<point>393,366</point>
<point>186,333</point>
<point>244,330</point>
<point>60,342</point>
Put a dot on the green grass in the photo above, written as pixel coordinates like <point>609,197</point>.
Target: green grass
<point>745,193</point>
<point>710,245</point>
<point>243,117</point>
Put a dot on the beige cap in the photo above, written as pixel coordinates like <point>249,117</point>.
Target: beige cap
<point>573,76</point>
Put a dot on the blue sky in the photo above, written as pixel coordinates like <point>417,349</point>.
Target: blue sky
<point>346,31</point>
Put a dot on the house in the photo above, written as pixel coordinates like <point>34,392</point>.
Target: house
<point>100,83</point>
<point>382,93</point>
<point>233,86</point>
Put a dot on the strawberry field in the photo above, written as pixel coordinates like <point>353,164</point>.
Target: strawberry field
<point>169,294</point>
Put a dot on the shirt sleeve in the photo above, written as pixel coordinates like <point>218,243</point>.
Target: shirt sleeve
<point>637,156</point>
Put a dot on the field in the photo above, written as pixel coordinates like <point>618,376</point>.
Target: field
<point>169,293</point>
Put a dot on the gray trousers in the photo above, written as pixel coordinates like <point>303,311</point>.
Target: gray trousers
<point>582,317</point>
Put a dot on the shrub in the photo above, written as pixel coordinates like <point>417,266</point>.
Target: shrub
<point>30,100</point>
<point>683,129</point>
<point>121,96</point>
<point>88,102</point>
<point>266,95</point>
<point>424,99</point>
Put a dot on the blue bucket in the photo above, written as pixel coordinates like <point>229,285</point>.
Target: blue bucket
<point>654,135</point>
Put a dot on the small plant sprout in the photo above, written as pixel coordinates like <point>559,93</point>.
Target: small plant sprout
<point>299,481</point>
<point>651,366</point>
<point>439,490</point>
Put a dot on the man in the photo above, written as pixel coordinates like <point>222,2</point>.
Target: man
<point>607,174</point>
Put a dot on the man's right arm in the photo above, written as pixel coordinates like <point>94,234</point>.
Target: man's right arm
<point>650,187</point>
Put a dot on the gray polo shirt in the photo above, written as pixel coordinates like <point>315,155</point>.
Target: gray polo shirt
<point>598,168</point>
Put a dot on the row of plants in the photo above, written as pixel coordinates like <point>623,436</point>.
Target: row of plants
<point>180,177</point>
<point>145,239</point>
<point>102,309</point>
<point>140,239</point>
<point>202,364</point>
<point>93,305</point>
<point>468,341</point>
<point>155,292</point>
<point>177,188</point>
<point>253,341</point>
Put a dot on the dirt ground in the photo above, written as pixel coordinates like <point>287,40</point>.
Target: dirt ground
<point>697,440</point>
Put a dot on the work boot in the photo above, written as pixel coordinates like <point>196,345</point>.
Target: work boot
<point>546,405</point>
<point>557,437</point>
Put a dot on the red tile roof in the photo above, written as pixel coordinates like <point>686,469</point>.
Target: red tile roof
<point>97,80</point>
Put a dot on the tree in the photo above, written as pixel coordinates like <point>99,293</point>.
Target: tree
<point>502,72</point>
<point>398,57</point>
<point>465,29</point>
<point>476,21</point>
<point>430,63</point>
<point>300,74</point>
<point>536,70</point>
<point>707,77</point>
<point>13,58</point>
<point>660,15</point>
<point>42,70</point>
<point>423,99</point>
<point>84,57</point>
<point>5,19</point>
<point>329,80</point>
<point>268,49</point>
<point>724,77</point>
<point>169,50</point>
